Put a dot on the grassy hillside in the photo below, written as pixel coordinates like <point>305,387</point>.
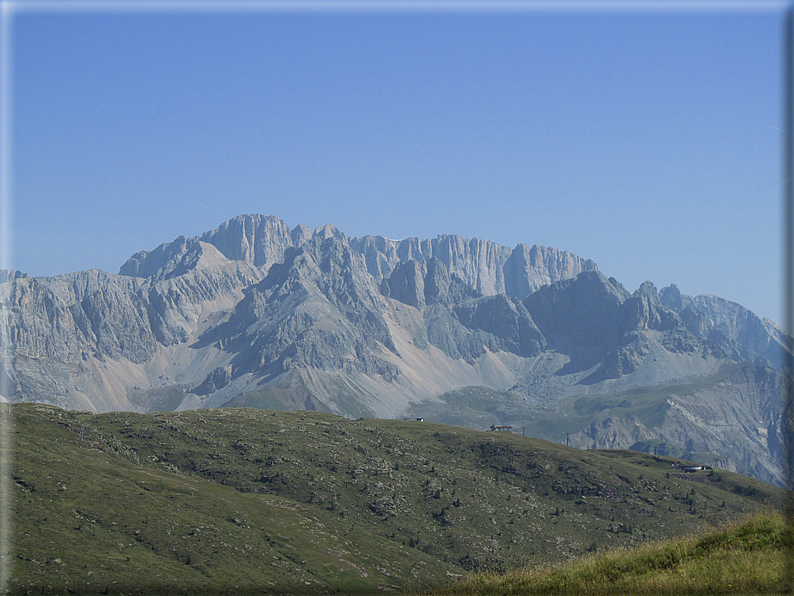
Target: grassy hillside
<point>237,500</point>
<point>745,558</point>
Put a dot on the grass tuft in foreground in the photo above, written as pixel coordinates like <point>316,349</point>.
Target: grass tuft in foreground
<point>746,558</point>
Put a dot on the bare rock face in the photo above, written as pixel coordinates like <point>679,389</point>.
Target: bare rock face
<point>176,303</point>
<point>6,275</point>
<point>469,330</point>
<point>484,265</point>
<point>598,323</point>
<point>319,309</point>
<point>529,268</point>
<point>443,287</point>
<point>259,240</point>
<point>329,231</point>
<point>59,326</point>
<point>644,310</point>
<point>579,314</point>
<point>159,262</point>
<point>437,282</point>
<point>735,328</point>
<point>66,327</point>
<point>70,317</point>
<point>734,416</point>
<point>407,284</point>
<point>480,263</point>
<point>461,321</point>
<point>507,320</point>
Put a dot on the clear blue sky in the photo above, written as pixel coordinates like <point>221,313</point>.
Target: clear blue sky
<point>646,141</point>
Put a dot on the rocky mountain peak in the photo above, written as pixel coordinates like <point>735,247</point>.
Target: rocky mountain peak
<point>159,261</point>
<point>259,240</point>
<point>671,297</point>
<point>647,290</point>
<point>300,234</point>
<point>529,268</point>
<point>329,231</point>
<point>644,310</point>
<point>6,275</point>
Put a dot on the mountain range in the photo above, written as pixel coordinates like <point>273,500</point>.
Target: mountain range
<point>453,330</point>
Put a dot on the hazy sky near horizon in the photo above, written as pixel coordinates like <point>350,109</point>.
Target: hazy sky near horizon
<point>648,141</point>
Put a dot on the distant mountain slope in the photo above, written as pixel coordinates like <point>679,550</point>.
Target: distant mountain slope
<point>260,314</point>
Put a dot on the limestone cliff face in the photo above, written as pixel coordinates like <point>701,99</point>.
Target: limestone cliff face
<point>176,304</point>
<point>319,309</point>
<point>507,320</point>
<point>259,240</point>
<point>255,239</point>
<point>598,323</point>
<point>324,305</point>
<point>93,313</point>
<point>580,314</point>
<point>738,330</point>
<point>67,327</point>
<point>407,284</point>
<point>74,316</point>
<point>6,275</point>
<point>529,268</point>
<point>486,266</point>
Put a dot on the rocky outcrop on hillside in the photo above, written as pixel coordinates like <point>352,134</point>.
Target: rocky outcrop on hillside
<point>257,313</point>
